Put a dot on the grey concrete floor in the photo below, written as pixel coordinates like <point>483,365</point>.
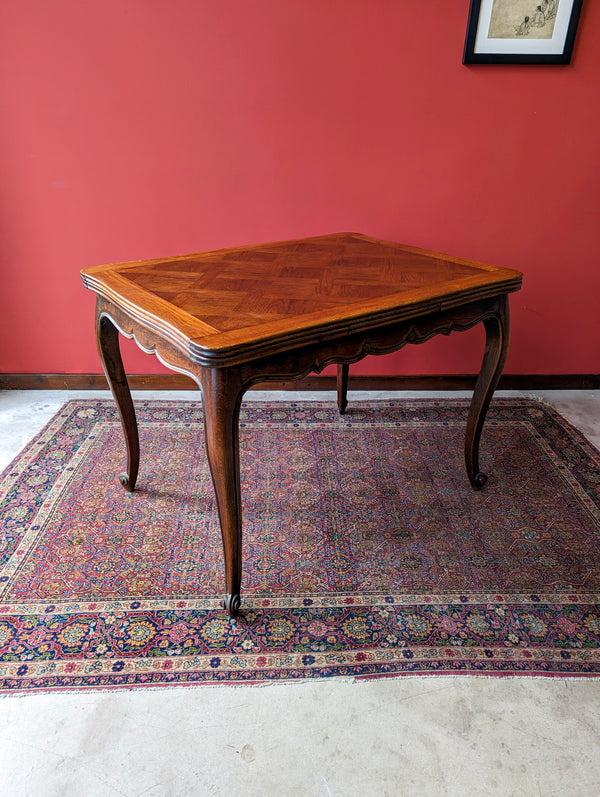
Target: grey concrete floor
<point>415,735</point>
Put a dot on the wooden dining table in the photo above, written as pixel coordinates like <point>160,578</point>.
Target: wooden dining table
<point>231,318</point>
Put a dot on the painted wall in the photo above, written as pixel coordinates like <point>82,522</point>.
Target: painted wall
<point>140,128</point>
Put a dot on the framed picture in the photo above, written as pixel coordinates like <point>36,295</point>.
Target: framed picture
<point>521,31</point>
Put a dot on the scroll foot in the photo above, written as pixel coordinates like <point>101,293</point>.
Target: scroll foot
<point>478,481</point>
<point>232,605</point>
<point>124,479</point>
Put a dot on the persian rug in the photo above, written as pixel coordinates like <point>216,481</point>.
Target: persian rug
<point>366,552</point>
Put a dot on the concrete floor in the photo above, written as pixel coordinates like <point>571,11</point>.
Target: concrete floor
<point>405,736</point>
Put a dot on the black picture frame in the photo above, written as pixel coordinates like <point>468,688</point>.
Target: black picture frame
<point>524,47</point>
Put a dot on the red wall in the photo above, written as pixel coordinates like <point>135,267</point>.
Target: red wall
<point>140,128</point>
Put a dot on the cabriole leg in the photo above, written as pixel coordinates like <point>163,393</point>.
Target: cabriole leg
<point>497,328</point>
<point>222,396</point>
<point>342,386</point>
<point>107,338</point>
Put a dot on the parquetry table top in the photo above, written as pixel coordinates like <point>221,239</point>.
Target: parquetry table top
<point>235,302</point>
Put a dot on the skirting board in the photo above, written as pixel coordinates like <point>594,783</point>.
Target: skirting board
<point>358,382</point>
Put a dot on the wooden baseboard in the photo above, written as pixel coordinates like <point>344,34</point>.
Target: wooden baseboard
<point>358,382</point>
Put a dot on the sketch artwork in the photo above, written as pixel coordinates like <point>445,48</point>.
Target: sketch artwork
<point>527,19</point>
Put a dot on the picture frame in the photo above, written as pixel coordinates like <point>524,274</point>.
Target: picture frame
<point>521,31</point>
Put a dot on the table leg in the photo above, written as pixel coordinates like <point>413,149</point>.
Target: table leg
<point>497,328</point>
<point>342,386</point>
<point>107,338</point>
<point>222,396</point>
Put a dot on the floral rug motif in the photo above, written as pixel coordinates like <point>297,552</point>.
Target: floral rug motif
<point>366,553</point>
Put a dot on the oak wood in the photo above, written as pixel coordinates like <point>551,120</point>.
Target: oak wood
<point>271,313</point>
<point>107,337</point>
<point>222,393</point>
<point>496,350</point>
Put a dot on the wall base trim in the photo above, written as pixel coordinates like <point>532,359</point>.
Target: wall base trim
<point>358,382</point>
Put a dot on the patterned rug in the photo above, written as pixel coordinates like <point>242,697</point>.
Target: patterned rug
<point>366,553</point>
